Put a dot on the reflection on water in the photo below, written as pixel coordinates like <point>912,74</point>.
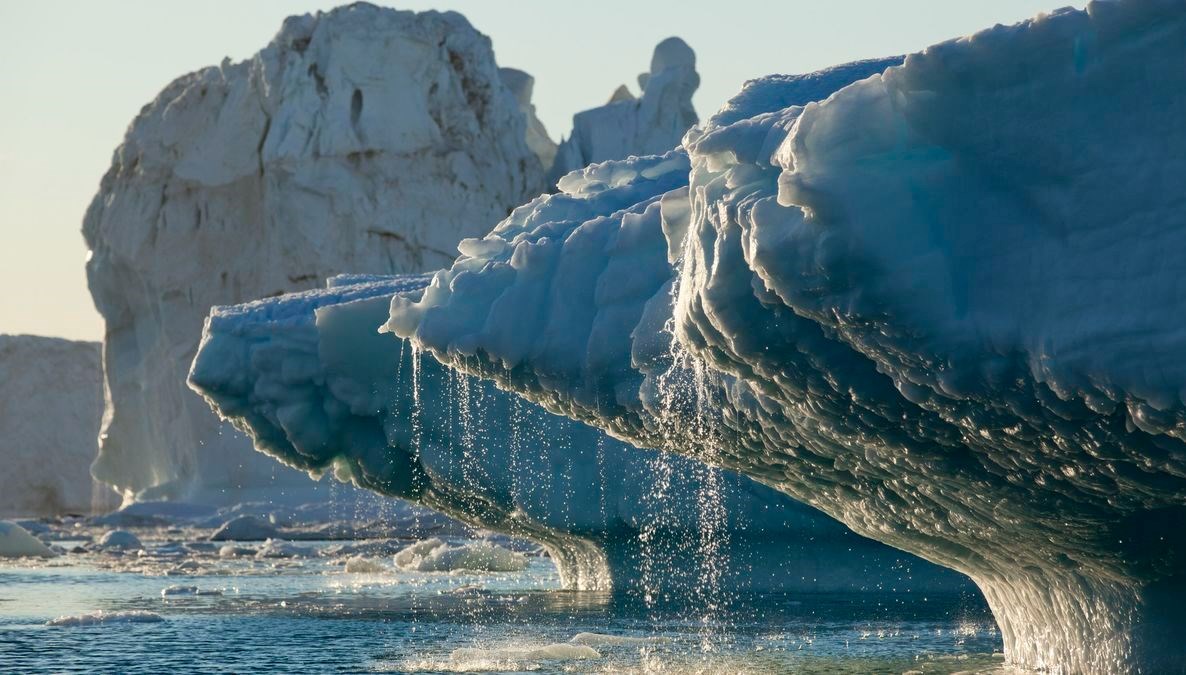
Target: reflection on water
<point>306,614</point>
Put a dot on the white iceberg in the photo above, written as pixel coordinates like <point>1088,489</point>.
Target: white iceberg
<point>625,126</point>
<point>52,393</point>
<point>362,139</point>
<point>941,305</point>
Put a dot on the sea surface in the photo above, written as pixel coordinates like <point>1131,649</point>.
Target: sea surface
<point>177,606</point>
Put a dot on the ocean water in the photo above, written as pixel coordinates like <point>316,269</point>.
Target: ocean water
<point>307,614</point>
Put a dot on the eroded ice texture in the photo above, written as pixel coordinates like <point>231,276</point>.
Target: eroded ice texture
<point>52,400</point>
<point>625,126</point>
<point>309,376</point>
<point>942,305</point>
<point>361,140</point>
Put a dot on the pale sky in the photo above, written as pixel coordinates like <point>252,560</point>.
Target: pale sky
<point>74,75</point>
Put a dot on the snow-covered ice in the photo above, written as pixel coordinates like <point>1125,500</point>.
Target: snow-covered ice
<point>941,305</point>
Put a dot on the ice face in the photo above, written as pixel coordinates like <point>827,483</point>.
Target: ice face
<point>315,384</point>
<point>52,393</point>
<point>940,305</point>
<point>361,140</point>
<point>652,123</point>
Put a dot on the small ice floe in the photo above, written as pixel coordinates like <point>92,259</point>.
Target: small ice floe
<point>179,590</point>
<point>473,658</point>
<point>119,540</point>
<point>232,551</point>
<point>361,565</point>
<point>16,542</point>
<point>276,548</point>
<point>245,528</point>
<point>105,617</point>
<point>434,555</point>
<point>603,640</point>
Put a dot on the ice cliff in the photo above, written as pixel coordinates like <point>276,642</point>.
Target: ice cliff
<point>51,401</point>
<point>626,125</point>
<point>941,305</point>
<point>362,140</point>
<point>317,387</point>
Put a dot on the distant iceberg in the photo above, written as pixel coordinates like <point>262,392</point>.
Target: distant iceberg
<point>942,305</point>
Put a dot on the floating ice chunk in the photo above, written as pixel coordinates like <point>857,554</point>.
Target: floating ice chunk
<point>361,565</point>
<point>603,640</point>
<point>434,555</point>
<point>187,590</point>
<point>120,540</point>
<point>105,617</point>
<point>232,551</point>
<point>474,658</point>
<point>245,528</point>
<point>277,548</point>
<point>16,542</point>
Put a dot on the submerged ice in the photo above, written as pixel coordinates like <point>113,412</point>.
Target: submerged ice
<point>940,305</point>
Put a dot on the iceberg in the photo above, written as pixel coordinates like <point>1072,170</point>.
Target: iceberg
<point>361,139</point>
<point>317,387</point>
<point>52,400</point>
<point>940,304</point>
<point>650,124</point>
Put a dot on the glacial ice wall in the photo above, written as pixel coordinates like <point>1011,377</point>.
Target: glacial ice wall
<point>309,377</point>
<point>51,402</point>
<point>940,305</point>
<point>362,140</point>
<point>653,123</point>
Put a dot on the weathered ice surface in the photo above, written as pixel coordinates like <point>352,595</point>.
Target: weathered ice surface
<point>942,305</point>
<point>51,401</point>
<point>626,126</point>
<point>363,140</point>
<point>522,85</point>
<point>317,387</point>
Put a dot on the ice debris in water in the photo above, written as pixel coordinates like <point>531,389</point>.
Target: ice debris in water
<point>434,555</point>
<point>106,617</point>
<point>276,548</point>
<point>476,658</point>
<point>177,590</point>
<point>363,565</point>
<point>245,528</point>
<point>121,540</point>
<point>16,542</point>
<point>603,640</point>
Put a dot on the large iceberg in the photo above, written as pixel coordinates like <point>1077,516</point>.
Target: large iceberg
<point>319,388</point>
<point>650,124</point>
<point>362,140</point>
<point>51,401</point>
<point>941,305</point>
